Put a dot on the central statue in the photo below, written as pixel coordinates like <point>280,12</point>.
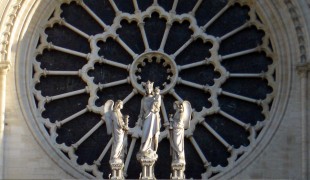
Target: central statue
<point>149,120</point>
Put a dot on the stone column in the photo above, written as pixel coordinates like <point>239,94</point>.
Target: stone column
<point>303,70</point>
<point>4,67</point>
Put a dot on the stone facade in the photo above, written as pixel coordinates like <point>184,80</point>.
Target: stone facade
<point>285,155</point>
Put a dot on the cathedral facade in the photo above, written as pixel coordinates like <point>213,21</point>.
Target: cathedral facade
<point>241,66</point>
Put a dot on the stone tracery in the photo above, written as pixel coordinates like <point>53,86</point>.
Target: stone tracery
<point>198,33</point>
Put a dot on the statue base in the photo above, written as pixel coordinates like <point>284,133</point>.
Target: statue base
<point>117,167</point>
<point>178,169</point>
<point>147,162</point>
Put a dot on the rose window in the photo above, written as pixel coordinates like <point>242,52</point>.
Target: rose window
<point>215,54</point>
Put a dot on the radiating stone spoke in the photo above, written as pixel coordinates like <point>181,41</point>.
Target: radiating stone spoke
<point>240,97</point>
<point>196,7</point>
<point>246,75</point>
<point>175,95</point>
<point>164,112</point>
<point>183,47</point>
<point>68,51</point>
<point>145,41</point>
<point>198,150</point>
<point>215,17</point>
<point>233,32</point>
<point>92,14</point>
<point>114,6</point>
<point>81,112</point>
<point>168,26</point>
<point>76,30</point>
<point>174,6</point>
<point>126,47</point>
<point>61,73</point>
<point>191,84</point>
<point>89,133</point>
<point>164,39</point>
<point>130,151</point>
<point>131,95</point>
<point>241,53</point>
<point>216,135</point>
<point>104,152</point>
<point>115,64</point>
<point>192,65</point>
<point>65,95</point>
<point>136,6</point>
<point>141,25</point>
<point>115,83</point>
<point>233,119</point>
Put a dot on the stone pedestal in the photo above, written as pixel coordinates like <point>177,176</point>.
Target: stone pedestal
<point>178,169</point>
<point>117,170</point>
<point>147,163</point>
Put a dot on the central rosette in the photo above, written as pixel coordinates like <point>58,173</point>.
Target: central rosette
<point>154,66</point>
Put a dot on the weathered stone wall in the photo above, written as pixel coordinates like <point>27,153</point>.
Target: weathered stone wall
<point>282,158</point>
<point>23,156</point>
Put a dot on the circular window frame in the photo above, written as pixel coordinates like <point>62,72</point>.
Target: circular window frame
<point>37,11</point>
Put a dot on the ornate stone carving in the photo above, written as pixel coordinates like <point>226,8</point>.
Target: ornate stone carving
<point>4,45</point>
<point>179,122</point>
<point>149,119</point>
<point>4,67</point>
<point>147,164</point>
<point>169,88</point>
<point>303,68</point>
<point>117,124</point>
<point>298,21</point>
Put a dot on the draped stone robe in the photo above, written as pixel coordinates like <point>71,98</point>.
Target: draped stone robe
<point>151,123</point>
<point>119,138</point>
<point>177,138</point>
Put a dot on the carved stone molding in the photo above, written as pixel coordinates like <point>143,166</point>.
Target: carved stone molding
<point>303,67</point>
<point>4,67</point>
<point>299,27</point>
<point>6,34</point>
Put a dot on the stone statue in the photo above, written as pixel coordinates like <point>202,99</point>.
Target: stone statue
<point>178,122</point>
<point>117,124</point>
<point>149,119</point>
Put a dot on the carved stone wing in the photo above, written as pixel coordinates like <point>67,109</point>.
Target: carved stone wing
<point>108,107</point>
<point>186,115</point>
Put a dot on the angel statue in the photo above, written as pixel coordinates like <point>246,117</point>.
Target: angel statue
<point>117,124</point>
<point>178,122</point>
<point>149,119</point>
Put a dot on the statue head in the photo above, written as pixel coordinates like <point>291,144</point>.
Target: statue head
<point>118,105</point>
<point>157,90</point>
<point>149,87</point>
<point>178,106</point>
